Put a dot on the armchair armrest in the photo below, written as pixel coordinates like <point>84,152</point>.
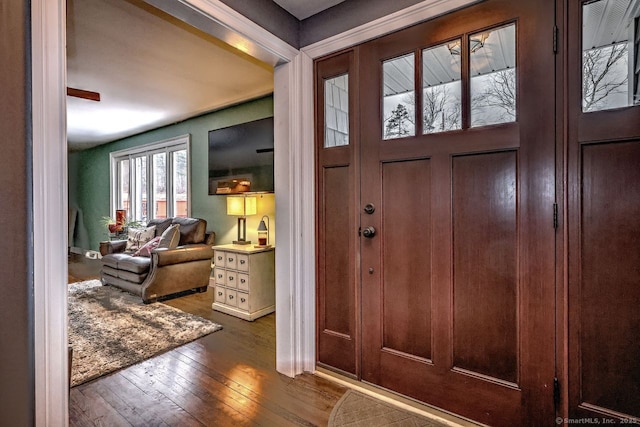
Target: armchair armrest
<point>161,257</point>
<point>112,247</point>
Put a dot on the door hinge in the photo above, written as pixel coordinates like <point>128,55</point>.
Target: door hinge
<point>556,392</point>
<point>555,216</point>
<point>555,39</point>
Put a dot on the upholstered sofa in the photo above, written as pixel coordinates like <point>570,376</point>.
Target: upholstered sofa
<point>180,265</point>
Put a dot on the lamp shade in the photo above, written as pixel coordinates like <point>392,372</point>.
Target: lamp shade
<point>241,205</point>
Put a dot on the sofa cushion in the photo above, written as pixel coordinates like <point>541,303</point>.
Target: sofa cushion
<point>161,224</point>
<point>170,238</point>
<point>126,262</point>
<point>137,237</point>
<point>192,230</point>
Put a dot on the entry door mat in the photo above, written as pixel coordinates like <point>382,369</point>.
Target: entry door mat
<point>355,409</point>
<point>110,329</point>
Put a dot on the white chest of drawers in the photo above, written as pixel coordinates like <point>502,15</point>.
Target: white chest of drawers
<point>244,281</point>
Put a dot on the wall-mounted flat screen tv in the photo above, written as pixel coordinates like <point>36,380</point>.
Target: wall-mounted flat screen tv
<point>241,153</point>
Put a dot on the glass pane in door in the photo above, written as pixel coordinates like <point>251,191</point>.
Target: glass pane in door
<point>179,167</point>
<point>124,200</point>
<point>610,40</point>
<point>441,88</point>
<point>399,97</point>
<point>492,61</point>
<point>336,111</point>
<point>159,187</point>
<point>140,189</point>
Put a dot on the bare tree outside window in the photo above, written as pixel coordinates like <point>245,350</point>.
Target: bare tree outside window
<point>495,99</point>
<point>441,110</point>
<point>605,78</point>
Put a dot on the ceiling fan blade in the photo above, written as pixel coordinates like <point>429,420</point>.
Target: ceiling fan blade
<point>84,94</point>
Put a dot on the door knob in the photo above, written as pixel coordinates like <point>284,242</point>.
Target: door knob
<point>369,232</point>
<point>369,208</point>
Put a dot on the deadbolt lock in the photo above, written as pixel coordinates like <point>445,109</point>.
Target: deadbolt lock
<point>369,232</point>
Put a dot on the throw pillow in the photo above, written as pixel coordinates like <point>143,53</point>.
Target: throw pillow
<point>137,237</point>
<point>170,237</point>
<point>148,247</point>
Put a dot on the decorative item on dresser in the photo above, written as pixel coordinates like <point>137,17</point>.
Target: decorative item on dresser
<point>244,281</point>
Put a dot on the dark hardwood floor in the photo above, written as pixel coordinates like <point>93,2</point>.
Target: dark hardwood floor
<point>226,378</point>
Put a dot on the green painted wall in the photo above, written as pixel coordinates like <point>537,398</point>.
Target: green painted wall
<point>89,174</point>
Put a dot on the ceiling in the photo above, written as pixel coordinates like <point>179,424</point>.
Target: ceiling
<point>153,70</point>
<point>303,9</point>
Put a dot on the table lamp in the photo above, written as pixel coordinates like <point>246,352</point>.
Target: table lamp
<point>241,206</point>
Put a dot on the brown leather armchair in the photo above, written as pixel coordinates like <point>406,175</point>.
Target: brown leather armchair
<point>166,271</point>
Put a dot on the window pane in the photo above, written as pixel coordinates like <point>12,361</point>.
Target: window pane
<point>123,200</point>
<point>140,189</point>
<point>493,76</point>
<point>336,111</point>
<point>608,34</point>
<point>180,183</point>
<point>159,186</point>
<point>399,97</point>
<point>441,88</point>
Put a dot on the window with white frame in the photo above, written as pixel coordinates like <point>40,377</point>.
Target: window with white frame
<point>152,181</point>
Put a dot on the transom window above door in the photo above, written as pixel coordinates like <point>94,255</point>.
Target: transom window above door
<point>452,97</point>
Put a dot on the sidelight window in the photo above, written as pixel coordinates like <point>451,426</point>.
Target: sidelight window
<point>610,60</point>
<point>336,111</point>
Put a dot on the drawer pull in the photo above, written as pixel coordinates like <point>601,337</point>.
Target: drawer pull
<point>219,258</point>
<point>219,294</point>
<point>242,261</point>
<point>243,300</point>
<point>243,281</point>
<point>230,277</point>
<point>230,296</point>
<point>230,259</point>
<point>219,276</point>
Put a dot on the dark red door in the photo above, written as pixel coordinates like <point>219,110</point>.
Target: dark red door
<point>457,144</point>
<point>603,302</point>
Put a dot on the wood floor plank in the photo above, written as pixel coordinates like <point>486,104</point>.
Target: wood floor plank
<point>270,388</point>
<point>151,410</point>
<point>100,412</point>
<point>210,413</point>
<point>227,378</point>
<point>254,406</point>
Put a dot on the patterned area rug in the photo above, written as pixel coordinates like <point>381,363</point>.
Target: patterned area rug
<point>356,409</point>
<point>110,329</point>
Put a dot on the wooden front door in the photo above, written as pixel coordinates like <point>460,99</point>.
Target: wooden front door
<point>603,302</point>
<point>436,213</point>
